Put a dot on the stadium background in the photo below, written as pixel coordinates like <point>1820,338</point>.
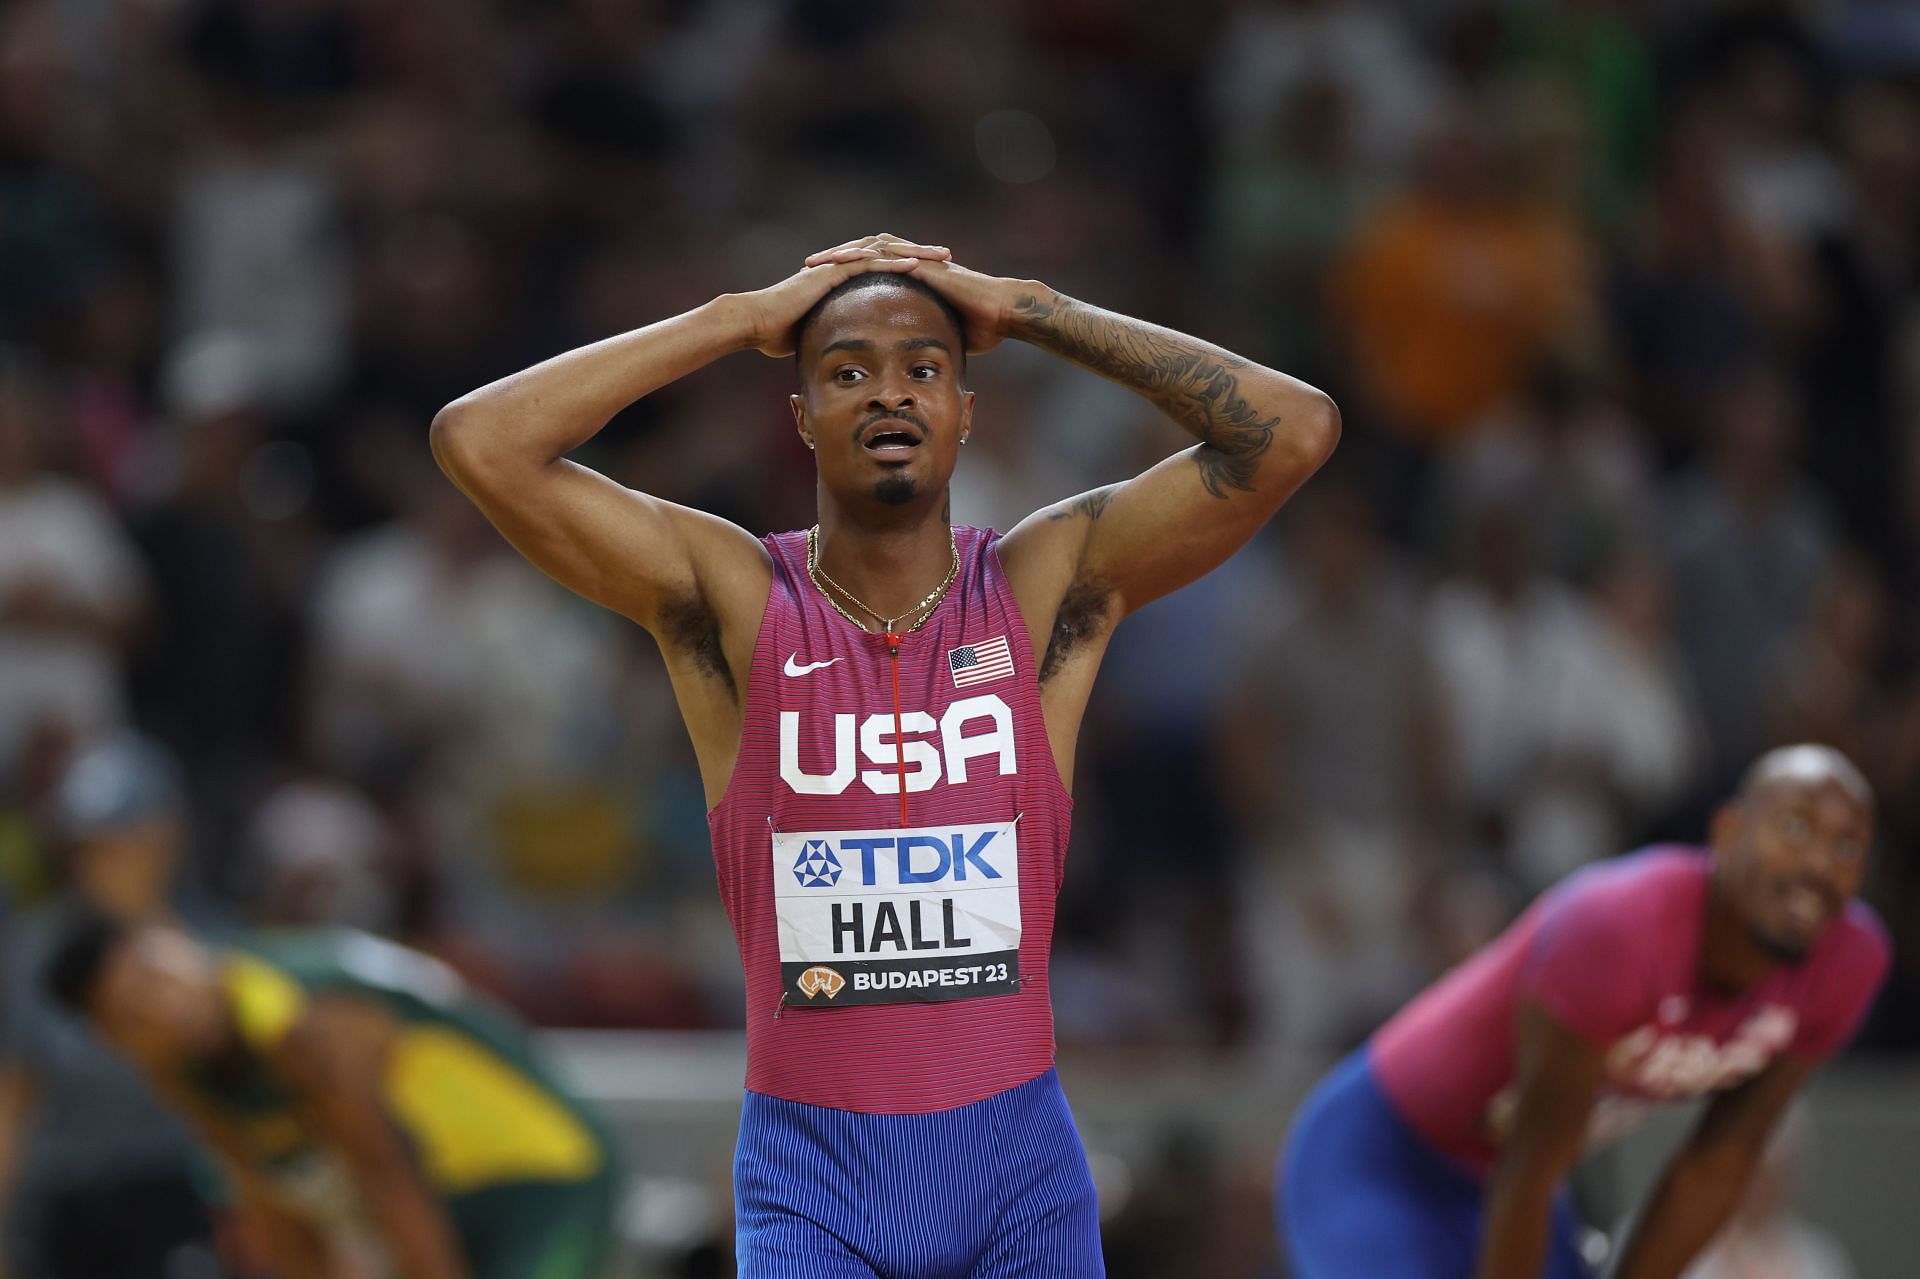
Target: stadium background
<point>1620,298</point>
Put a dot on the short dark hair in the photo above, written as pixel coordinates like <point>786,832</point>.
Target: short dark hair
<point>879,280</point>
<point>80,952</point>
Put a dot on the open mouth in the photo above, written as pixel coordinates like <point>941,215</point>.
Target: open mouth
<point>1809,907</point>
<point>892,440</point>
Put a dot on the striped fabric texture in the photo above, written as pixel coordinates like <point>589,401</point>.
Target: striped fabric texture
<point>841,771</point>
<point>995,1190</point>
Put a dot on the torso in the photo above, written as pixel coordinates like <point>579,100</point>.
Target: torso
<point>459,1080</point>
<point>709,633</point>
<point>1447,1060</point>
<point>895,962</point>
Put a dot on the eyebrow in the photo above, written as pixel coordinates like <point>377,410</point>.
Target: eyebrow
<point>862,344</point>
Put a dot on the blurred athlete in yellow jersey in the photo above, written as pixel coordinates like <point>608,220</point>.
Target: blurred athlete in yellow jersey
<point>350,1086</point>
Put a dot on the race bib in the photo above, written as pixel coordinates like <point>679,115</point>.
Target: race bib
<point>898,915</point>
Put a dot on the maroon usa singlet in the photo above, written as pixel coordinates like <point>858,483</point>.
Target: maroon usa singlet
<point>895,946</point>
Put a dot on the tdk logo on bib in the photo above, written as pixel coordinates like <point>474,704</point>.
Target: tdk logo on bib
<point>902,859</point>
<point>905,914</point>
<point>816,867</point>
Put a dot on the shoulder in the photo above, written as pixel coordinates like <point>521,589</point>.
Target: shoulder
<point>267,1002</point>
<point>1640,913</point>
<point>1666,881</point>
<point>1856,951</point>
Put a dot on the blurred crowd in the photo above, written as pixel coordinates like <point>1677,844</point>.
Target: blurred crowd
<point>1620,298</point>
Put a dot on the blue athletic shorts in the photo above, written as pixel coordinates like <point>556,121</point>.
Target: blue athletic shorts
<point>1361,1196</point>
<point>994,1190</point>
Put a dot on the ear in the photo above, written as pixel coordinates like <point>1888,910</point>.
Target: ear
<point>799,406</point>
<point>1724,830</point>
<point>966,415</point>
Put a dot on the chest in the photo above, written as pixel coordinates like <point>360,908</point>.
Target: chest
<point>849,718</point>
<point>1686,1053</point>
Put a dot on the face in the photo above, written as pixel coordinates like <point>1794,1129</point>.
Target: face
<point>881,398</point>
<point>1791,852</point>
<point>129,872</point>
<point>158,999</point>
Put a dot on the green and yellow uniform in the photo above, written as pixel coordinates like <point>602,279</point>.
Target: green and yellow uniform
<point>526,1171</point>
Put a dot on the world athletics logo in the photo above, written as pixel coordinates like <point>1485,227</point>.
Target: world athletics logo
<point>816,866</point>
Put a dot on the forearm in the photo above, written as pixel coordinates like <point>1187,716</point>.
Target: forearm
<point>541,414</point>
<point>297,1251</point>
<point>292,1245</point>
<point>1519,1220</point>
<point>1694,1199</point>
<point>416,1229</point>
<point>1235,408</point>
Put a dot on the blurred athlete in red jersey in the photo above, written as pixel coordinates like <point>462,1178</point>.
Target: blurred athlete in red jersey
<point>885,709</point>
<point>1438,1151</point>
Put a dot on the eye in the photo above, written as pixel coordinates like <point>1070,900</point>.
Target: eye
<point>928,370</point>
<point>849,375</point>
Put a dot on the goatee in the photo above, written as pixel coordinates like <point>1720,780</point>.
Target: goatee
<point>895,490</point>
<point>1789,953</point>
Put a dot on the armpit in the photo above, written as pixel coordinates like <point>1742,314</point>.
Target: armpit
<point>688,625</point>
<point>1085,613</point>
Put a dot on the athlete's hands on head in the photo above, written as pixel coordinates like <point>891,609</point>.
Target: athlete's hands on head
<point>775,311</point>
<point>985,302</point>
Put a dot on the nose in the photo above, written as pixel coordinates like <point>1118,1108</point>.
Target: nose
<point>890,396</point>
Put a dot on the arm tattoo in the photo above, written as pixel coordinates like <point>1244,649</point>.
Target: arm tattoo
<point>1091,505</point>
<point>1191,382</point>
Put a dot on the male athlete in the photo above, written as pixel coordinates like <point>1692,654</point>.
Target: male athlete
<point>355,1093</point>
<point>1438,1151</point>
<point>884,710</point>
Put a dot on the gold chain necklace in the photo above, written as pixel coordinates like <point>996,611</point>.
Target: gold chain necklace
<point>888,625</point>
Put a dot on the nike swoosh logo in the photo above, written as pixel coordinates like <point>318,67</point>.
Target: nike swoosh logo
<point>795,668</point>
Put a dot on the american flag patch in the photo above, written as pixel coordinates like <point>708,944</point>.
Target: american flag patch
<point>979,663</point>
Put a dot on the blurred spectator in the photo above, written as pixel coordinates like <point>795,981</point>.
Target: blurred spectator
<point>1823,684</point>
<point>1581,460</point>
<point>1282,209</point>
<point>223,535</point>
<point>323,856</point>
<point>1271,54</point>
<point>1340,758</point>
<point>1782,181</point>
<point>81,1142</point>
<point>1569,723</point>
<point>473,695</point>
<point>1452,290</point>
<point>1597,51</point>
<point>1150,761</point>
<point>1866,274</point>
<point>1749,543</point>
<point>52,233</point>
<point>71,587</point>
<point>1688,296</point>
<point>257,250</point>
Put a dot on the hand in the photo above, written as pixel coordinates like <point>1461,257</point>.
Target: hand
<point>985,302</point>
<point>773,312</point>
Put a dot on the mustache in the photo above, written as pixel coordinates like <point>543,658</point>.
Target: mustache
<point>891,415</point>
<point>1820,886</point>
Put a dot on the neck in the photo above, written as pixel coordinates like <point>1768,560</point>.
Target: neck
<point>891,565</point>
<point>1730,959</point>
